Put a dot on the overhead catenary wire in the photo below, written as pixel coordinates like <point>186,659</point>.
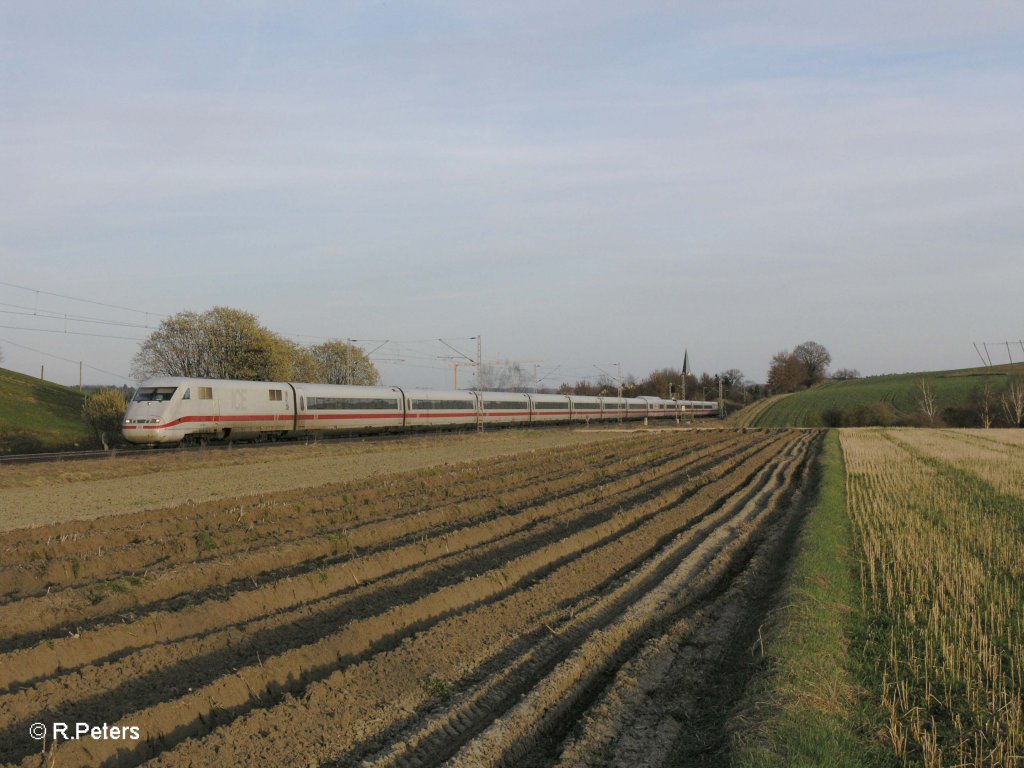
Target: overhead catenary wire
<point>400,352</point>
<point>50,315</point>
<point>71,333</point>
<point>65,359</point>
<point>986,358</point>
<point>40,291</point>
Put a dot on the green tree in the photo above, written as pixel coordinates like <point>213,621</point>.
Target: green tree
<point>221,343</point>
<point>341,363</point>
<point>301,363</point>
<point>104,413</point>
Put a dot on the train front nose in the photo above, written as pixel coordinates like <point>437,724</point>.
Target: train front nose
<point>144,423</point>
<point>150,412</point>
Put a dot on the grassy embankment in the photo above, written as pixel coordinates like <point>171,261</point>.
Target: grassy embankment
<point>806,706</point>
<point>36,415</point>
<point>749,416</point>
<point>899,393</point>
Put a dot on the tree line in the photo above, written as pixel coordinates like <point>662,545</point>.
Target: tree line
<point>668,383</point>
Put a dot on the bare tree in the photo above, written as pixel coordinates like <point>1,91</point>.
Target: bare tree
<point>733,380</point>
<point>846,374</point>
<point>815,360</point>
<point>1012,401</point>
<point>927,401</point>
<point>985,401</point>
<point>505,377</point>
<point>785,373</point>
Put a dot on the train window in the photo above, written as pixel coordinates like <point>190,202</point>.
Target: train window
<point>542,406</point>
<point>275,394</point>
<point>154,394</point>
<point>442,405</point>
<point>187,395</point>
<point>205,393</point>
<point>352,404</point>
<point>507,405</point>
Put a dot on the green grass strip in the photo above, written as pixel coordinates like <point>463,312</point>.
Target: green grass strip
<point>804,706</point>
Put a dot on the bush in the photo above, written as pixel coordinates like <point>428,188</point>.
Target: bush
<point>876,414</point>
<point>833,417</point>
<point>104,412</point>
<point>961,417</point>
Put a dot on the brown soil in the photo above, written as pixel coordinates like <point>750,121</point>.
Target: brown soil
<point>82,490</point>
<point>494,612</point>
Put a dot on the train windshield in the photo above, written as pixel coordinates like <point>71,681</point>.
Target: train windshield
<point>150,394</point>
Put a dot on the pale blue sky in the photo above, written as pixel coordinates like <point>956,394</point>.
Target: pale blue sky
<point>581,183</point>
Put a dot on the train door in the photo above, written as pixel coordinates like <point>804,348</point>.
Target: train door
<point>301,416</point>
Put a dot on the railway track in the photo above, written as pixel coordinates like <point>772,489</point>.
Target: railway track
<point>151,450</point>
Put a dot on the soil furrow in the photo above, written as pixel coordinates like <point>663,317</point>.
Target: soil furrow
<point>528,734</point>
<point>667,705</point>
<point>526,662</point>
<point>394,679</point>
<point>581,605</point>
<point>432,607</point>
<point>47,559</point>
<point>118,596</point>
<point>65,616</point>
<point>499,540</point>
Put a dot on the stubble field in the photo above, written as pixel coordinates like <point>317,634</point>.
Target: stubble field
<point>584,603</point>
<point>939,527</point>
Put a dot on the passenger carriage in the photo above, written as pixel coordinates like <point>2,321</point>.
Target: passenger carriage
<point>548,409</point>
<point>427,408</point>
<point>585,409</point>
<point>504,407</point>
<point>327,408</point>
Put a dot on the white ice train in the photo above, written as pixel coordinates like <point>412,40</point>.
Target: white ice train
<point>171,410</point>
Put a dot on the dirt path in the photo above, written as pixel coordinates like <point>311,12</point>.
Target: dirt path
<point>487,613</point>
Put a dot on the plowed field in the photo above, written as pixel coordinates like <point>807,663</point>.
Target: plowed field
<point>582,605</point>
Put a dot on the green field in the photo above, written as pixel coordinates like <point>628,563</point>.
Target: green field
<point>894,396</point>
<point>36,415</point>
